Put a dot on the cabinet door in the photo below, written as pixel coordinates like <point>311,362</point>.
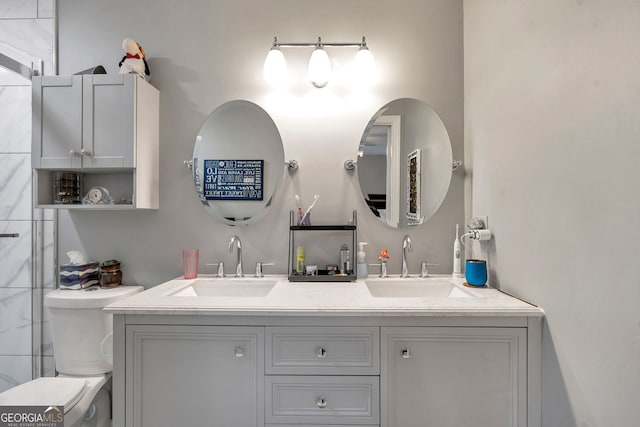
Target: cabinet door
<point>194,376</point>
<point>108,121</point>
<point>452,377</point>
<point>57,122</point>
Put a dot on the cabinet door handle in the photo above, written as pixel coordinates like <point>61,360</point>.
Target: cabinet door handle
<point>321,402</point>
<point>321,353</point>
<point>405,353</point>
<point>74,153</point>
<point>239,352</point>
<point>85,152</point>
<point>8,235</point>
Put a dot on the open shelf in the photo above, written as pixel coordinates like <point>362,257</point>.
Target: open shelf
<point>322,275</point>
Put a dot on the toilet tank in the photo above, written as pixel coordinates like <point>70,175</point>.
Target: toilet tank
<point>81,331</point>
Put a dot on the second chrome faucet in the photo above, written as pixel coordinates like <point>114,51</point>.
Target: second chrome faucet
<point>406,248</point>
<point>235,242</point>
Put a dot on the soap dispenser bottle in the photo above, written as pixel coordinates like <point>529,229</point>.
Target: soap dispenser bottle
<point>361,269</point>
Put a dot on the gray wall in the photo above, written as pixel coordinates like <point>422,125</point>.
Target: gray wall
<point>203,53</point>
<point>552,120</point>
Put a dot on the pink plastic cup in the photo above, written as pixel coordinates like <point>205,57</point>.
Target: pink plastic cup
<point>190,263</point>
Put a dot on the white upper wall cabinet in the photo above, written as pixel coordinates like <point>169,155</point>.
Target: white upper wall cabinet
<point>103,126</point>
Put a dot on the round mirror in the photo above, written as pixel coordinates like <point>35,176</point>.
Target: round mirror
<point>404,163</point>
<point>238,162</point>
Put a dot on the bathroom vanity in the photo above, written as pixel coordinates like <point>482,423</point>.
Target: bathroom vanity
<point>381,352</point>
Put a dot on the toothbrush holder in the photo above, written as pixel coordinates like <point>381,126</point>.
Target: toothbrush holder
<point>305,219</point>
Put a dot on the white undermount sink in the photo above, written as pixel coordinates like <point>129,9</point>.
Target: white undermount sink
<point>416,288</point>
<point>226,288</point>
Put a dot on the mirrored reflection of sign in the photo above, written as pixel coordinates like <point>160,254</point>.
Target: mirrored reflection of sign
<point>233,179</point>
<point>413,186</point>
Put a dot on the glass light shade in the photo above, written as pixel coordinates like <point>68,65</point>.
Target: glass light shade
<point>275,67</point>
<point>364,68</point>
<point>319,70</point>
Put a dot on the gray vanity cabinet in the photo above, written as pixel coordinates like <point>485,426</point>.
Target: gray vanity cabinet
<point>195,376</point>
<point>452,377</point>
<point>320,376</point>
<point>295,371</point>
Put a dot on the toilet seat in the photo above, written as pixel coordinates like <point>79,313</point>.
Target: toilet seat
<point>47,391</point>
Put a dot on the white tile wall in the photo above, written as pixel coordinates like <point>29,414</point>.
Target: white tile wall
<point>15,321</point>
<point>15,120</point>
<point>15,187</point>
<point>14,370</point>
<point>25,26</point>
<point>45,8</point>
<point>18,9</point>
<point>15,255</point>
<point>34,36</point>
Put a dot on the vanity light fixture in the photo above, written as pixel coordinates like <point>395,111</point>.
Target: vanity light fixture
<point>319,68</point>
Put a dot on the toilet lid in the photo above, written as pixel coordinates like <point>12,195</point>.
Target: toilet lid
<point>46,391</point>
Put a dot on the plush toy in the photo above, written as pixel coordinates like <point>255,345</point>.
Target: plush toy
<point>134,60</point>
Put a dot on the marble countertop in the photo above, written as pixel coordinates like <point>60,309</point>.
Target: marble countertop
<point>321,298</point>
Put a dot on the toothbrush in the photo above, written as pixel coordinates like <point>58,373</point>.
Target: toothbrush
<point>315,199</point>
<point>299,206</point>
<point>457,268</point>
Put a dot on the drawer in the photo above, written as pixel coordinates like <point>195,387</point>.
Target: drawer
<point>323,350</point>
<point>345,400</point>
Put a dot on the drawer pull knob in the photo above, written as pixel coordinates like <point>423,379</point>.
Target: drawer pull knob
<point>321,353</point>
<point>239,351</point>
<point>405,353</point>
<point>85,152</point>
<point>321,402</point>
<point>74,153</point>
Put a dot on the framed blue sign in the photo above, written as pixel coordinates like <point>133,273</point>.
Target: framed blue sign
<point>233,179</point>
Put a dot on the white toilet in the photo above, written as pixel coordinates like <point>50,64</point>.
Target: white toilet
<point>82,337</point>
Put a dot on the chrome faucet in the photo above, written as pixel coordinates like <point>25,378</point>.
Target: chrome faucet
<point>406,247</point>
<point>235,241</point>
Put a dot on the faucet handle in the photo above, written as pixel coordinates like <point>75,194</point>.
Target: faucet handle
<point>383,267</point>
<point>259,266</point>
<point>424,271</point>
<point>220,268</point>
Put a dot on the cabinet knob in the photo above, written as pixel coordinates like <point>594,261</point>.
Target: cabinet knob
<point>321,353</point>
<point>321,402</point>
<point>85,152</point>
<point>405,353</point>
<point>239,351</point>
<point>74,153</point>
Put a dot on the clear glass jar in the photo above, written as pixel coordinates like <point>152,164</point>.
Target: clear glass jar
<point>110,274</point>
